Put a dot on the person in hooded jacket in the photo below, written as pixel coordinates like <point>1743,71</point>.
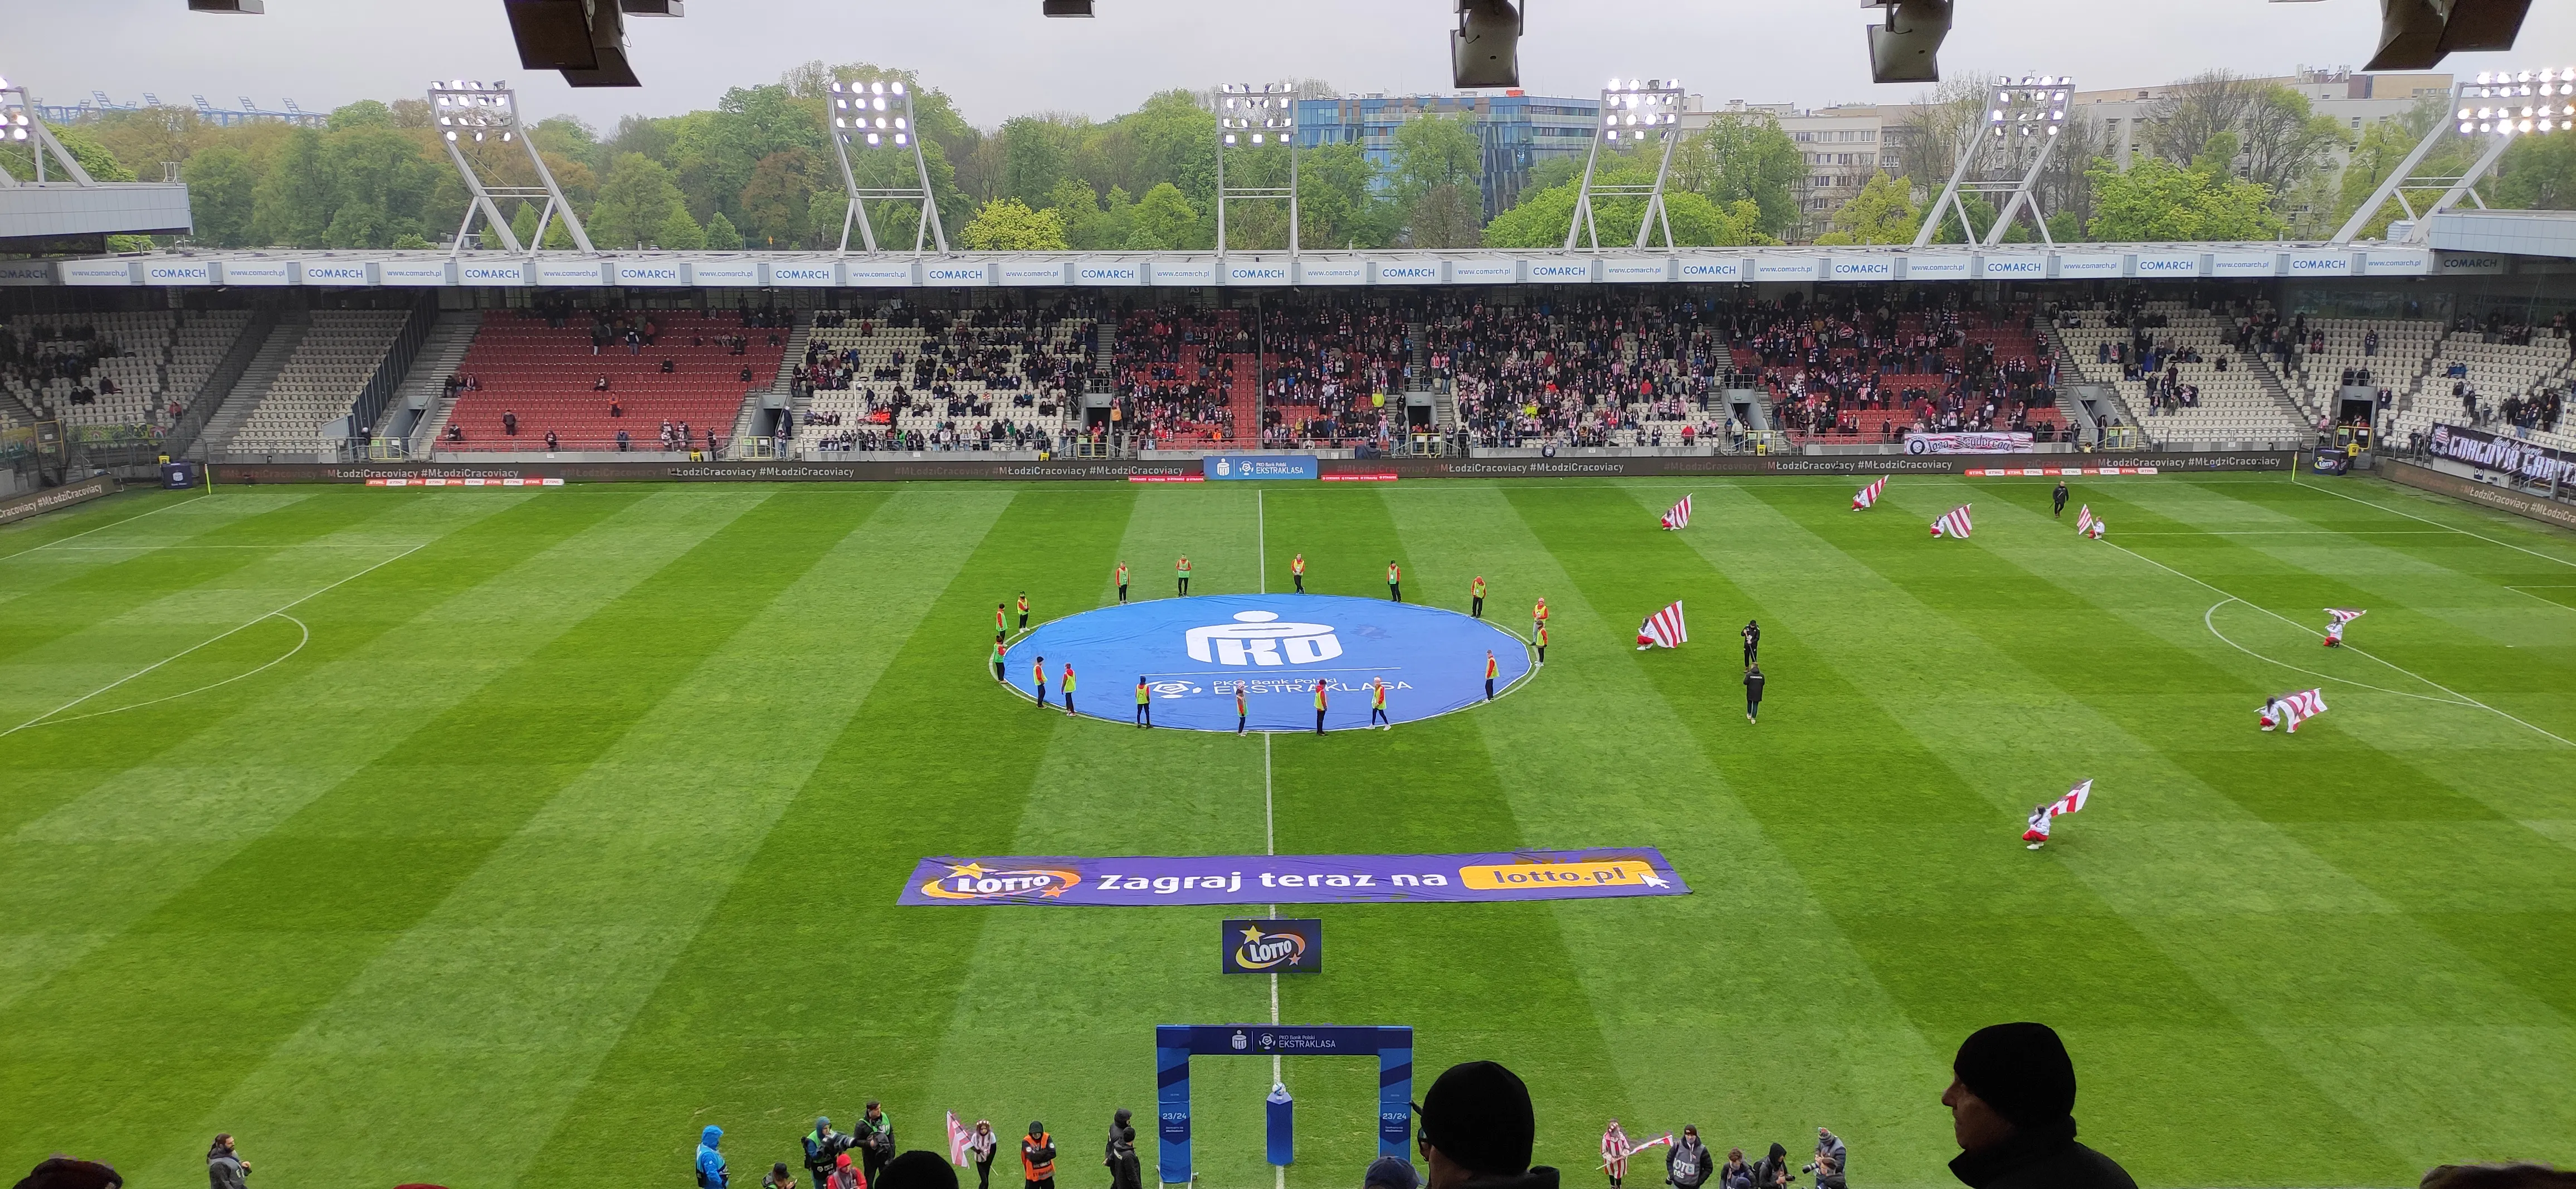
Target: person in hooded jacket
<point>2012,1109</point>
<point>711,1162</point>
<point>1037,1158</point>
<point>822,1146</point>
<point>1125,1171</point>
<point>1773,1170</point>
<point>1689,1164</point>
<point>225,1169</point>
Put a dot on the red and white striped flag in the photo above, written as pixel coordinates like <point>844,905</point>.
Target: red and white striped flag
<point>2342,617</point>
<point>1954,523</point>
<point>2087,523</point>
<point>1869,495</point>
<point>1663,629</point>
<point>2289,710</point>
<point>1678,516</point>
<point>2073,800</point>
<point>958,1135</point>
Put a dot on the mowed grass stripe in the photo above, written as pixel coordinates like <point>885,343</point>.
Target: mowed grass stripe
<point>99,593</point>
<point>807,989</point>
<point>1850,832</point>
<point>1105,788</point>
<point>95,516</point>
<point>2053,652</point>
<point>1502,975</point>
<point>304,905</point>
<point>469,1018</point>
<point>1682,974</point>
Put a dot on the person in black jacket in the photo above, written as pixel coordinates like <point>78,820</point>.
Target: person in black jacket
<point>2012,1108</point>
<point>225,1169</point>
<point>1125,1171</point>
<point>1772,1171</point>
<point>1477,1131</point>
<point>1688,1164</point>
<point>1752,693</point>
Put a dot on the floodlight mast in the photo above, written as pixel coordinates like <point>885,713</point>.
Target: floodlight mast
<point>2032,108</point>
<point>1633,110</point>
<point>1256,116</point>
<point>467,109</point>
<point>879,115</point>
<point>21,125</point>
<point>2499,105</point>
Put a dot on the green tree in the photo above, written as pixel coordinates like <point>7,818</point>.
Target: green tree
<point>1034,151</point>
<point>635,201</point>
<point>222,196</point>
<point>1009,225</point>
<point>1435,151</point>
<point>524,224</point>
<point>721,237</point>
<point>2539,173</point>
<point>678,232</point>
<point>777,197</point>
<point>1090,223</point>
<point>293,199</point>
<point>365,113</point>
<point>1165,220</point>
<point>2159,201</point>
<point>1540,218</point>
<point>1882,213</point>
<point>1744,156</point>
<point>2384,145</point>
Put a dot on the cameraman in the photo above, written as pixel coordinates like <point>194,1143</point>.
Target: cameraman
<point>1830,1147</point>
<point>1829,1173</point>
<point>874,1137</point>
<point>823,1147</point>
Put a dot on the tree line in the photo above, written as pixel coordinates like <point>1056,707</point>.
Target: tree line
<point>2219,158</point>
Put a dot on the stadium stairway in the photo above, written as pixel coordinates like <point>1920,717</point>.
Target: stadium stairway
<point>424,386</point>
<point>256,380</point>
<point>2291,406</point>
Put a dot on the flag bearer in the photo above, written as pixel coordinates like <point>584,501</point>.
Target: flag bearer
<point>1377,705</point>
<point>1394,582</point>
<point>1182,572</point>
<point>1297,572</point>
<point>1024,610</point>
<point>1538,617</point>
<point>2037,834</point>
<point>1122,584</point>
<point>1144,706</point>
<point>1476,598</point>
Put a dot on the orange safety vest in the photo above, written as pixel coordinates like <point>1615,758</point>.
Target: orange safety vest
<point>1037,672</point>
<point>1024,604</point>
<point>1068,679</point>
<point>1037,1171</point>
<point>1477,588</point>
<point>1297,565</point>
<point>1122,573</point>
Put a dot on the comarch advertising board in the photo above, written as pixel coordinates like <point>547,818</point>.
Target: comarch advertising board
<point>1484,270</point>
<point>1861,268</point>
<point>744,273</point>
<point>814,274</point>
<point>2086,265</point>
<point>346,272</point>
<point>1257,271</point>
<point>1102,271</point>
<point>1560,272</point>
<point>468,272</point>
<point>2397,264</point>
<point>1344,271</point>
<point>2154,265</point>
<point>2013,268</point>
<point>1944,266</point>
<point>1409,272</point>
<point>1034,272</point>
<point>2320,264</point>
<point>1636,269</point>
<point>259,272</point>
<point>857,274</point>
<point>2243,264</point>
<point>26,272</point>
<point>1724,268</point>
<point>650,272</point>
<point>1788,268</point>
<point>179,272</point>
<point>569,272</point>
<point>953,273</point>
<point>1185,272</point>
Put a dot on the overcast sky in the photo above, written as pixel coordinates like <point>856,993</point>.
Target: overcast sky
<point>999,58</point>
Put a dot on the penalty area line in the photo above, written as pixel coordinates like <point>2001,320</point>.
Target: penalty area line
<point>110,524</point>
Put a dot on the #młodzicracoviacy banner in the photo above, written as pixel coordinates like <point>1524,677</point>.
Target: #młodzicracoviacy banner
<point>1296,879</point>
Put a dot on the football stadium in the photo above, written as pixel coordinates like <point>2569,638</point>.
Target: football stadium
<point>1526,635</point>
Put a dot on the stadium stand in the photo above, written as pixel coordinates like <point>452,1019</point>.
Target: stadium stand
<point>2379,353</point>
<point>1585,371</point>
<point>587,377</point>
<point>1872,375</point>
<point>889,378</point>
<point>1333,370</point>
<point>135,371</point>
<point>318,384</point>
<point>2190,372</point>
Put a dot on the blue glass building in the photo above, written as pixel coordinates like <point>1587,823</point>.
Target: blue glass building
<point>1518,131</point>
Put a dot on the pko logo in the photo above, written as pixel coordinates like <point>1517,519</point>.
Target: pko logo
<point>1255,638</point>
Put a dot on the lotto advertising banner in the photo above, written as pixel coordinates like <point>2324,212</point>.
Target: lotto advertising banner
<point>1296,879</point>
<point>1270,946</point>
<point>1260,466</point>
<point>1193,654</point>
<point>1967,443</point>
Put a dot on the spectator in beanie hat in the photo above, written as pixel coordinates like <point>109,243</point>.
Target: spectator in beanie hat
<point>2012,1106</point>
<point>1477,1129</point>
<point>1390,1172</point>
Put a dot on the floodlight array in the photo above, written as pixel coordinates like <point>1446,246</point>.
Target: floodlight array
<point>1637,108</point>
<point>2035,105</point>
<point>471,108</point>
<point>873,114</point>
<point>2517,113</point>
<point>1259,115</point>
<point>14,125</point>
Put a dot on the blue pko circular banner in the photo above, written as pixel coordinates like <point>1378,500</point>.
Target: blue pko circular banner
<point>1193,652</point>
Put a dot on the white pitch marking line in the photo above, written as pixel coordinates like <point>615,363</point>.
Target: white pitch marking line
<point>2438,524</point>
<point>202,643</point>
<point>2525,591</point>
<point>297,545</point>
<point>110,524</point>
<point>2464,698</point>
<point>2207,621</point>
<point>305,639</point>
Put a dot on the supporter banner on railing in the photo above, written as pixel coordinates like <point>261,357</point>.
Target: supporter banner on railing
<point>1295,879</point>
<point>1967,443</point>
<point>2478,448</point>
<point>22,507</point>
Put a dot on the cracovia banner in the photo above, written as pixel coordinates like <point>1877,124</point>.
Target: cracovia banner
<point>1296,879</point>
<point>2478,448</point>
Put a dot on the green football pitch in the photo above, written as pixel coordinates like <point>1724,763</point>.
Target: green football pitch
<point>506,837</point>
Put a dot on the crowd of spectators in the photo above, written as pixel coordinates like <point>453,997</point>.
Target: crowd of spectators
<point>1880,369</point>
<point>33,357</point>
<point>1583,371</point>
<point>1337,368</point>
<point>1178,371</point>
<point>966,379</point>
